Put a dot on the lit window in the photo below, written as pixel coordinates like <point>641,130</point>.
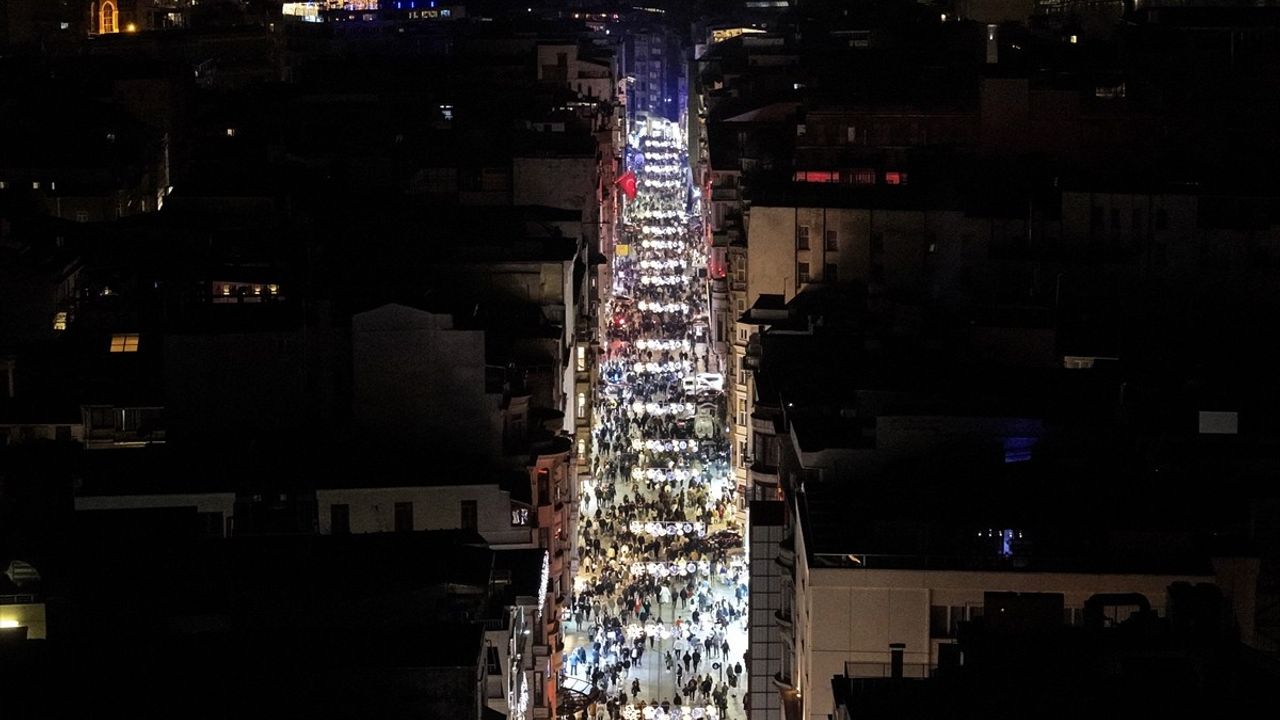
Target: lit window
<point>257,289</point>
<point>60,321</point>
<point>124,343</point>
<point>3,185</point>
<point>226,290</point>
<point>582,359</point>
<point>107,17</point>
<point>231,132</point>
<point>519,515</point>
<point>35,184</point>
<point>273,289</point>
<point>895,178</point>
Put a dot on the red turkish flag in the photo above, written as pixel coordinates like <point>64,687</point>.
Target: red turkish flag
<point>628,184</point>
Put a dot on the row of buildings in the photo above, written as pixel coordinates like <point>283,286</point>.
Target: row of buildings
<point>986,285</point>
<point>298,343</point>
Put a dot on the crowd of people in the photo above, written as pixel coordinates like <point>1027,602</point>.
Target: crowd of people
<point>657,620</point>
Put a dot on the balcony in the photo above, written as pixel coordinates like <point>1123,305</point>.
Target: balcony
<point>787,552</point>
<point>762,421</point>
<point>783,682</point>
<point>764,475</point>
<point>784,620</point>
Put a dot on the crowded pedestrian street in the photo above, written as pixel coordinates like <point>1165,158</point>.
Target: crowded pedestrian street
<point>657,622</point>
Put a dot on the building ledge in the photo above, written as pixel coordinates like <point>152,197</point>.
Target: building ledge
<point>764,475</point>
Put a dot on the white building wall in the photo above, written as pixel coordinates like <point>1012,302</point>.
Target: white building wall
<point>852,615</point>
<point>434,508</point>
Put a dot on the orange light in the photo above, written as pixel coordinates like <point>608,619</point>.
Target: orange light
<point>131,28</point>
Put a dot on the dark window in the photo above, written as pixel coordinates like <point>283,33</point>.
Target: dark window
<point>802,273</point>
<point>340,519</point>
<point>829,273</point>
<point>1115,218</point>
<point>938,622</point>
<point>1162,219</point>
<point>957,617</point>
<point>62,432</point>
<point>470,518</point>
<point>1162,254</point>
<point>404,517</point>
<point>544,486</point>
<point>802,237</point>
<point>832,241</point>
<point>877,242</point>
<point>1095,219</point>
<point>101,418</point>
<point>210,524</point>
<point>1135,226</point>
<point>493,661</point>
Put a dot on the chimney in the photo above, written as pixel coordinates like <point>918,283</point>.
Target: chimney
<point>993,44</point>
<point>895,659</point>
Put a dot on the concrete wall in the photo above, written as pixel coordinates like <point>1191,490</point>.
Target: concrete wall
<point>203,502</point>
<point>416,379</point>
<point>434,508</point>
<point>28,615</point>
<point>568,183</point>
<point>771,257</point>
<point>853,614</point>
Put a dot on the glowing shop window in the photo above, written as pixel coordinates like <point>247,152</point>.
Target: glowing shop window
<point>124,343</point>
<point>60,321</point>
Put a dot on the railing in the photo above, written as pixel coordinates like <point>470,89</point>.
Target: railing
<point>501,623</point>
<point>999,563</point>
<point>884,670</point>
<point>23,599</point>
